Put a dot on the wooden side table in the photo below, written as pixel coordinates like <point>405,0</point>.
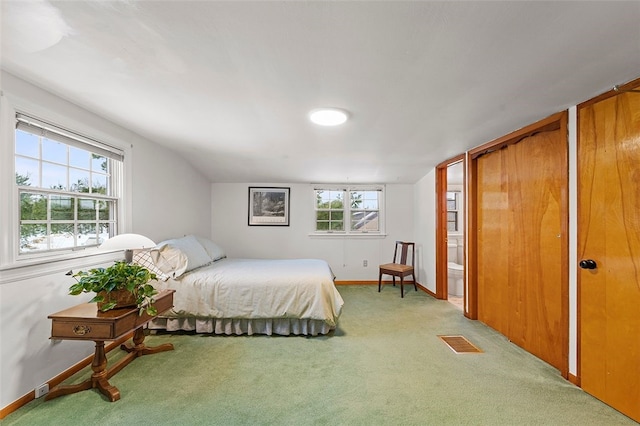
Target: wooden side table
<point>86,322</point>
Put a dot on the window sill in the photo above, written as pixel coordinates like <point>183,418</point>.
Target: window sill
<point>370,235</point>
<point>33,268</point>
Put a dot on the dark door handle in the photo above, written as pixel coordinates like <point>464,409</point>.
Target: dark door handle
<point>588,264</point>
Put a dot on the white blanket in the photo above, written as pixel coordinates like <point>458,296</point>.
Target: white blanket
<point>257,288</point>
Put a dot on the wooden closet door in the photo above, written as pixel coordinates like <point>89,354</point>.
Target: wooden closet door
<point>493,241</point>
<point>537,292</point>
<point>609,234</point>
<point>522,243</point>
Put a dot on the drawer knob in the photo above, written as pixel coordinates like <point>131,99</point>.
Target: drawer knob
<point>81,330</point>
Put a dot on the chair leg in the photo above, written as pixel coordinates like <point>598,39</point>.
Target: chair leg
<point>379,281</point>
<point>415,285</point>
<point>401,286</point>
<point>394,280</point>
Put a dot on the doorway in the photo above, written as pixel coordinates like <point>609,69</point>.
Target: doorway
<point>455,234</point>
<point>450,232</point>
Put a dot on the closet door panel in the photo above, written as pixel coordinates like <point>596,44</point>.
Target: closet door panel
<point>536,181</point>
<point>493,242</point>
<point>522,240</point>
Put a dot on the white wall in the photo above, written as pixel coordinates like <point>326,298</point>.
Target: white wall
<point>573,240</point>
<point>168,198</point>
<point>230,229</point>
<point>425,226</point>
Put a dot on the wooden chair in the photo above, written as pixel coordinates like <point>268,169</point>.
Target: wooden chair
<point>400,268</point>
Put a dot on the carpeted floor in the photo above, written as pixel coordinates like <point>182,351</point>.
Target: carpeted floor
<point>384,365</point>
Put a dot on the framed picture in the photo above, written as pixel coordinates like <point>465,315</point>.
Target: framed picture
<point>268,206</point>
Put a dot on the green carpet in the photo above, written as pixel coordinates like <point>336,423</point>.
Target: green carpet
<point>384,365</point>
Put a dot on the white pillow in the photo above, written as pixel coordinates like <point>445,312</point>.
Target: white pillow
<point>169,259</point>
<point>196,255</point>
<point>143,258</point>
<point>215,251</point>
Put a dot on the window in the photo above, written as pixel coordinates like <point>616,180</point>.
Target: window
<point>452,211</point>
<point>68,187</point>
<point>350,210</point>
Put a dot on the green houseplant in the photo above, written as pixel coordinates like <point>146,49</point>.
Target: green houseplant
<point>113,284</point>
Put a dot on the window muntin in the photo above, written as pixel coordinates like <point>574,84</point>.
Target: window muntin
<point>359,214</point>
<point>66,189</point>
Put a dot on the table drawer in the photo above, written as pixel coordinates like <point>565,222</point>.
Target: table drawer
<point>84,330</point>
<point>86,322</point>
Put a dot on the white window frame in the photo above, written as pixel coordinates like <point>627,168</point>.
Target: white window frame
<point>115,157</point>
<point>10,257</point>
<point>347,210</point>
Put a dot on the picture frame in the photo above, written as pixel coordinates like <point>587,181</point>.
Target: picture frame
<point>269,206</point>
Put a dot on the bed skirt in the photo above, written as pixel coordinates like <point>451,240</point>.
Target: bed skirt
<point>239,326</point>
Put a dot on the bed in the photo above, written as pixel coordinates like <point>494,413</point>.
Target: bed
<point>219,295</point>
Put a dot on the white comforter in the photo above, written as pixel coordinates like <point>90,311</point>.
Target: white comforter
<point>257,288</point>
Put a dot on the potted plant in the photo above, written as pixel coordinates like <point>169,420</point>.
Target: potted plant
<point>122,284</point>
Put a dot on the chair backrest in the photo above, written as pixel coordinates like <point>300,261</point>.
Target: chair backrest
<point>404,253</point>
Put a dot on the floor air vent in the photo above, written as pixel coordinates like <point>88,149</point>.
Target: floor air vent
<point>460,345</point>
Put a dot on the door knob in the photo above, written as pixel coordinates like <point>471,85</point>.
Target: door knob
<point>588,264</point>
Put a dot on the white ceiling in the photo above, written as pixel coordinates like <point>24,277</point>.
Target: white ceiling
<point>228,84</point>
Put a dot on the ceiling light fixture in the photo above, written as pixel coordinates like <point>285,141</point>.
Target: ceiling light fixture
<point>328,116</point>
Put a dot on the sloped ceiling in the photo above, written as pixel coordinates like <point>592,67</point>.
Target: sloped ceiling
<point>228,85</point>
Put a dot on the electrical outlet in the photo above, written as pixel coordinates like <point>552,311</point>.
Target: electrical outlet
<point>365,263</point>
<point>42,390</point>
